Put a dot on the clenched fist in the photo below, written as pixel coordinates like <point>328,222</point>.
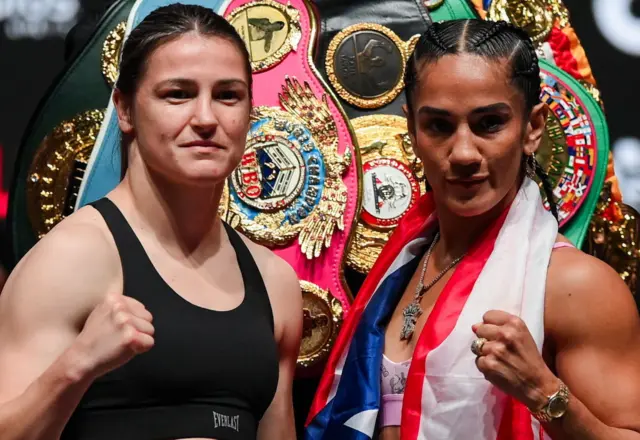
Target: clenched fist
<point>511,361</point>
<point>118,329</point>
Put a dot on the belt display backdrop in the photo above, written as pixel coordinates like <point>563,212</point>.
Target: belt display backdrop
<point>328,169</point>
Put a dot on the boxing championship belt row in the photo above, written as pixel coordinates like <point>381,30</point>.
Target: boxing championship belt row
<point>328,169</point>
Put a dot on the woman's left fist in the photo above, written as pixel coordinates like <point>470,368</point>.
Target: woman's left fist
<point>510,359</point>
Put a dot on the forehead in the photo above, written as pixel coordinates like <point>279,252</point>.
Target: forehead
<point>198,57</point>
<point>460,83</point>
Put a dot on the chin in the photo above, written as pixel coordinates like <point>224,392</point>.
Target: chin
<point>199,176</point>
<point>471,207</point>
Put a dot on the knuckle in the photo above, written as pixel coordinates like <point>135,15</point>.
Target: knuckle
<point>117,305</point>
<point>507,335</point>
<point>122,318</point>
<point>110,301</point>
<point>129,336</point>
<point>491,363</point>
<point>499,350</point>
<point>515,322</point>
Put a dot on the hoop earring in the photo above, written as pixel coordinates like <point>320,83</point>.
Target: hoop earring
<point>530,166</point>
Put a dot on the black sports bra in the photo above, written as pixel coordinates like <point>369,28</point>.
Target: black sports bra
<point>210,374</point>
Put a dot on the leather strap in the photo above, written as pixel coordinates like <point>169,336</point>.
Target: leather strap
<point>405,18</point>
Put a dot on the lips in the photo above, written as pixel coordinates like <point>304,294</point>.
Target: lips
<point>468,180</point>
<point>201,144</point>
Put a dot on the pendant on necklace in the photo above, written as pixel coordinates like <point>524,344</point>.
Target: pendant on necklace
<point>410,316</point>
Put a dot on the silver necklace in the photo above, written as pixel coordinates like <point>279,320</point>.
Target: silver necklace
<point>412,312</point>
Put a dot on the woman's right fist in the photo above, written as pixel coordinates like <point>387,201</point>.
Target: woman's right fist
<point>118,329</point>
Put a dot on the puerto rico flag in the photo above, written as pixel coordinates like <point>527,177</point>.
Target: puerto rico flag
<point>446,397</point>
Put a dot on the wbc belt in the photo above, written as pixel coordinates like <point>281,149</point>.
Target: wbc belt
<point>297,187</point>
<point>362,52</point>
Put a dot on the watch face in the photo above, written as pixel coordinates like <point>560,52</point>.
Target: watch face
<point>557,406</point>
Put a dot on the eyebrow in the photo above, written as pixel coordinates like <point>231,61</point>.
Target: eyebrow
<point>497,107</point>
<point>187,82</point>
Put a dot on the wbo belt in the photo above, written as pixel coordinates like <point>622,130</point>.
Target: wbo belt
<point>296,189</point>
<point>362,53</point>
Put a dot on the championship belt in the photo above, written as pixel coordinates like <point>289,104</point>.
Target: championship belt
<point>53,155</point>
<point>104,169</point>
<point>574,150</point>
<point>364,45</point>
<point>362,53</point>
<point>604,226</point>
<point>297,187</point>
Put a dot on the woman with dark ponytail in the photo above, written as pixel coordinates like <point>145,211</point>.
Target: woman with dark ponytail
<point>479,320</point>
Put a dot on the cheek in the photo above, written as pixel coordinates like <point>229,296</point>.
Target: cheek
<point>504,166</point>
<point>429,153</point>
<point>236,127</point>
<point>162,122</point>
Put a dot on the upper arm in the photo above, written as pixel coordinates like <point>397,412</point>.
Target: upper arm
<point>595,329</point>
<point>286,302</point>
<point>46,300</point>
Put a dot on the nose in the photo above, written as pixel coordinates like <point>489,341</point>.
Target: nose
<point>465,157</point>
<point>204,119</point>
<point>464,151</point>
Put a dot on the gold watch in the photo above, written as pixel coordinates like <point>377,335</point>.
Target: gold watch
<point>555,407</point>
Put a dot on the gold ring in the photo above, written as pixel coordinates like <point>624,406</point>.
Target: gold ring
<point>476,346</point>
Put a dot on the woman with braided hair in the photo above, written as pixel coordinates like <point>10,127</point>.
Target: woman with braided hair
<point>479,320</point>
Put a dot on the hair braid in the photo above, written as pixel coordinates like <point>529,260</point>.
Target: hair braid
<point>434,37</point>
<point>548,189</point>
<point>497,28</point>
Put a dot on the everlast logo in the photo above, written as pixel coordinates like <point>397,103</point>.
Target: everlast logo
<point>225,421</point>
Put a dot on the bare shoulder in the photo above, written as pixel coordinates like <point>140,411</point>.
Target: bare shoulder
<point>586,296</point>
<point>65,270</point>
<point>49,295</point>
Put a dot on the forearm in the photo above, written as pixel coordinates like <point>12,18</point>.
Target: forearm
<point>44,408</point>
<point>280,426</point>
<point>578,423</point>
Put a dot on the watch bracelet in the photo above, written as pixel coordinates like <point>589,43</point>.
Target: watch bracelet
<point>543,415</point>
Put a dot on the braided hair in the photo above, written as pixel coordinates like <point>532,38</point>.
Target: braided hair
<point>493,41</point>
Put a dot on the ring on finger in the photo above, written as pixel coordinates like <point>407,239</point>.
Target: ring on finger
<point>476,346</point>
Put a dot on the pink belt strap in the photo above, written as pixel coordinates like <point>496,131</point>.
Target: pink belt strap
<point>296,189</point>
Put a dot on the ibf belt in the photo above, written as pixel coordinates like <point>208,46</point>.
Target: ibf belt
<point>392,182</point>
<point>296,189</point>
